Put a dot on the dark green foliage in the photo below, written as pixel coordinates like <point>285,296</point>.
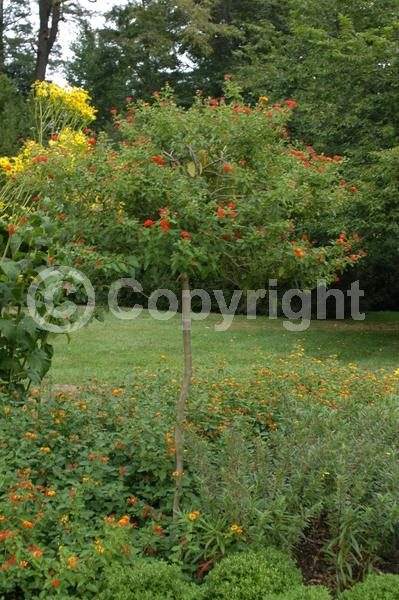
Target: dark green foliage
<point>13,122</point>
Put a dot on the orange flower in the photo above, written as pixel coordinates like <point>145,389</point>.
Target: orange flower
<point>27,524</point>
<point>72,562</point>
<point>55,582</point>
<point>124,521</point>
<point>299,252</point>
<point>193,516</point>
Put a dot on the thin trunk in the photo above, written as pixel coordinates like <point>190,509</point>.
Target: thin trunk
<point>49,20</point>
<point>2,41</point>
<point>181,404</point>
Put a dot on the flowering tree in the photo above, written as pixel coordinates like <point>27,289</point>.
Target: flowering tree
<point>215,190</point>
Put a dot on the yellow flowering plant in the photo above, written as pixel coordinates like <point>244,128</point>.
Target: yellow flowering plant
<point>57,108</point>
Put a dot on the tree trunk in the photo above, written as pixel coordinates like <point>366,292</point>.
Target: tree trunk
<point>2,41</point>
<point>49,20</point>
<point>181,404</point>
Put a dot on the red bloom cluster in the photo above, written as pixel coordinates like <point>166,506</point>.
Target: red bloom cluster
<point>158,160</point>
<point>40,159</point>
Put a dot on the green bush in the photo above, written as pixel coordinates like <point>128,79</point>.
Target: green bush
<point>314,592</point>
<point>250,575</point>
<point>148,580</point>
<point>374,587</point>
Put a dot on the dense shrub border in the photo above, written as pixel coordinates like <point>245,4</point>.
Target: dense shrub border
<point>280,458</point>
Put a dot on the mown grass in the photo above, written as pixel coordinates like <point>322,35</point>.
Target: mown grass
<point>110,350</point>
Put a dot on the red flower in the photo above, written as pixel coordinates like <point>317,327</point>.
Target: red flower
<point>228,168</point>
<point>54,138</point>
<point>232,205</point>
<point>291,103</point>
<point>362,252</point>
<point>354,189</point>
<point>165,225</point>
<point>353,258</point>
<point>11,229</point>
<point>299,252</point>
<point>62,216</point>
<point>221,212</point>
<point>22,220</point>
<point>228,76</point>
<point>113,111</point>
<point>185,235</point>
<point>158,160</point>
<point>357,237</point>
<point>238,236</point>
<point>164,211</point>
<point>91,141</point>
<point>233,214</point>
<point>148,223</point>
<point>55,582</point>
<point>40,159</point>
<point>337,158</point>
<point>129,99</point>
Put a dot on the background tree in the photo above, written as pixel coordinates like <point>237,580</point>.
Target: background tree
<point>340,61</point>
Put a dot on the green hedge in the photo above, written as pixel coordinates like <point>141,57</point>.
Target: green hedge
<point>314,592</point>
<point>252,575</point>
<point>148,580</point>
<point>374,587</point>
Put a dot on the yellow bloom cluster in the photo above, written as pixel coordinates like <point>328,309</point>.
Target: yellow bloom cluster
<point>11,166</point>
<point>75,100</point>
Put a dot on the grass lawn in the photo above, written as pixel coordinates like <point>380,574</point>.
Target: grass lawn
<point>109,351</point>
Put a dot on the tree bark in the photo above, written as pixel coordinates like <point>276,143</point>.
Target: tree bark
<point>49,20</point>
<point>181,403</point>
<point>2,41</point>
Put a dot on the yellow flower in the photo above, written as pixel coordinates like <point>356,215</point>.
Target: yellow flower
<point>100,549</point>
<point>124,521</point>
<point>263,99</point>
<point>6,410</point>
<point>177,473</point>
<point>236,529</point>
<point>27,524</point>
<point>44,449</point>
<point>193,516</point>
<point>64,519</point>
<point>117,392</point>
<point>72,562</point>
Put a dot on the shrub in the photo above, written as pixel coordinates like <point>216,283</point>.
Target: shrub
<point>314,592</point>
<point>250,575</point>
<point>149,579</point>
<point>374,587</point>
